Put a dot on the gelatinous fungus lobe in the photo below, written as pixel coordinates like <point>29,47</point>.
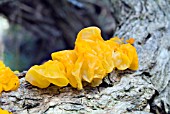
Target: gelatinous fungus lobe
<point>49,72</point>
<point>8,80</point>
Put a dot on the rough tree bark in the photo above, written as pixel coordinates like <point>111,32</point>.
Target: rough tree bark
<point>144,91</point>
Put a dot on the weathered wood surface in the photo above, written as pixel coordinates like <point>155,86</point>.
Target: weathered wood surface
<point>149,22</point>
<point>130,94</point>
<point>144,91</point>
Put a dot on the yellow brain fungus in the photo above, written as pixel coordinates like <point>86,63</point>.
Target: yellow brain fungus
<point>89,40</point>
<point>90,61</point>
<point>4,112</point>
<point>8,80</point>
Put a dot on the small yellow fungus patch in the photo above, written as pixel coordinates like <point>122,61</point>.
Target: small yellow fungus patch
<point>90,61</point>
<point>4,112</point>
<point>8,80</point>
<point>130,40</point>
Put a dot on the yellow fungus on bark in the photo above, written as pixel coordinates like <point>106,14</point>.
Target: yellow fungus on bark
<point>8,80</point>
<point>4,112</point>
<point>90,61</point>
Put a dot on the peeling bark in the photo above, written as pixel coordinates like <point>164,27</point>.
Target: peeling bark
<point>145,91</point>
